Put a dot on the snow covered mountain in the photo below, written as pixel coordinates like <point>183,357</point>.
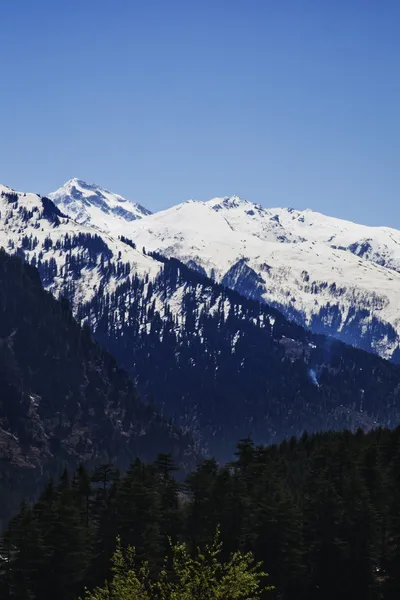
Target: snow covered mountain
<point>89,204</point>
<point>67,253</point>
<point>218,364</point>
<point>331,275</point>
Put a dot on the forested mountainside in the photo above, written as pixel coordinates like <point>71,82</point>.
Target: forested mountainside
<point>335,277</point>
<point>225,367</point>
<point>321,512</point>
<point>220,365</point>
<point>66,253</point>
<point>331,275</point>
<point>63,400</point>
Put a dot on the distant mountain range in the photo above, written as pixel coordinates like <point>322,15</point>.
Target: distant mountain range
<point>330,275</point>
<point>220,364</point>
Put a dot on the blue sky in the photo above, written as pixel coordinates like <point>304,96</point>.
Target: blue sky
<point>283,102</point>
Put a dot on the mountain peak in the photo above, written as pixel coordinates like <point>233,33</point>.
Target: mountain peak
<point>80,188</point>
<point>227,202</point>
<point>75,180</point>
<point>90,204</point>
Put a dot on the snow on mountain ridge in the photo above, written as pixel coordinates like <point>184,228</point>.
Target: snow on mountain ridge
<point>380,245</point>
<point>24,227</point>
<point>246,216</point>
<point>228,202</point>
<point>90,204</point>
<point>85,264</point>
<point>7,190</point>
<point>331,275</point>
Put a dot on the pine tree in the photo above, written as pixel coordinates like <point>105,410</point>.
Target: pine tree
<point>26,554</point>
<point>391,565</point>
<point>323,515</point>
<point>139,505</point>
<point>171,522</point>
<point>202,518</point>
<point>71,547</point>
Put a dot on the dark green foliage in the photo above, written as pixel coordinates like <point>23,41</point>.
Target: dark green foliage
<point>63,400</point>
<point>321,513</point>
<point>12,197</point>
<point>127,241</point>
<point>51,212</point>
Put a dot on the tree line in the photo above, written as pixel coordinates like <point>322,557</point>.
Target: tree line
<point>321,513</point>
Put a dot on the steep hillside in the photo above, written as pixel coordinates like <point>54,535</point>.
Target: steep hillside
<point>342,280</point>
<point>330,275</point>
<point>67,253</point>
<point>63,399</point>
<point>220,365</point>
<point>225,367</point>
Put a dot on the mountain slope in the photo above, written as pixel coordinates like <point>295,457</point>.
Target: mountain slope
<point>89,204</point>
<point>220,365</point>
<point>332,276</point>
<point>380,245</point>
<point>225,367</point>
<point>63,399</point>
<point>67,254</point>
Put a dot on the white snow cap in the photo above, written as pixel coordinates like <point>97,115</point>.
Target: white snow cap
<point>301,261</point>
<point>91,204</point>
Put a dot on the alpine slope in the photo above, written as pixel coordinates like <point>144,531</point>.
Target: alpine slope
<point>330,275</point>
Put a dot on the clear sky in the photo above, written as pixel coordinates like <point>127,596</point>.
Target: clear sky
<point>283,102</point>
